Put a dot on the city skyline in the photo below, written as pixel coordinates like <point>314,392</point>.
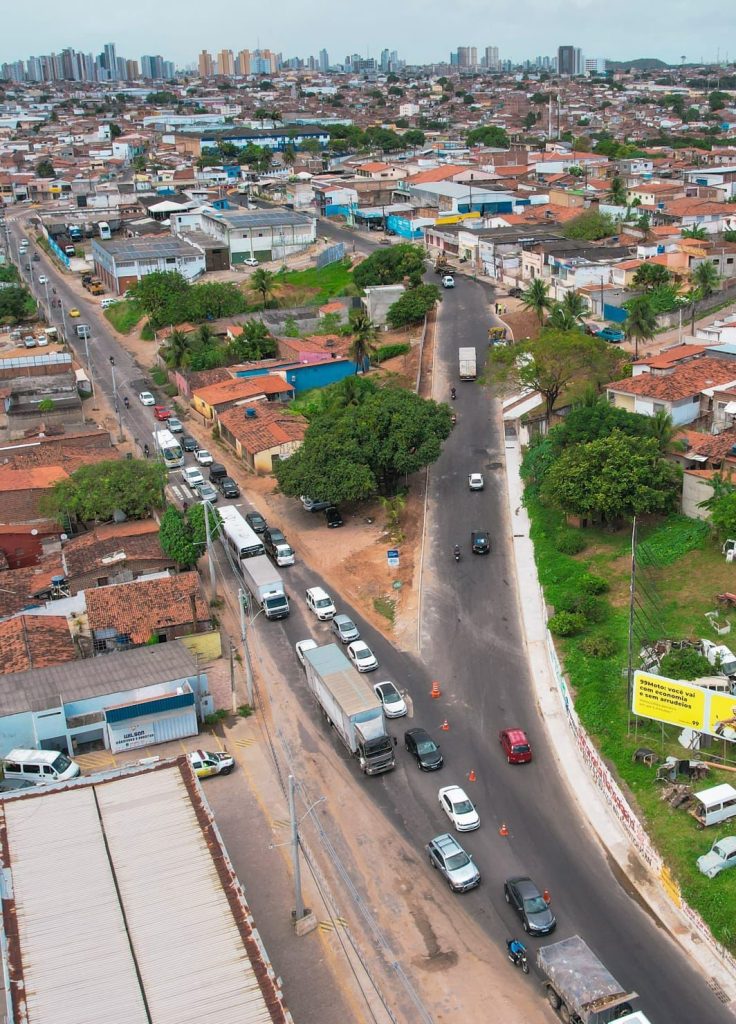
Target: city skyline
<point>667,30</point>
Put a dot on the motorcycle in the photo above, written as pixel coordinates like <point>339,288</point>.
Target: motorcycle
<point>456,552</point>
<point>517,957</point>
<point>453,419</point>
<point>126,402</point>
<point>452,394</point>
<point>146,450</point>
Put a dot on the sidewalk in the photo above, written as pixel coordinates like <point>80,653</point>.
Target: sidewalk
<point>594,809</point>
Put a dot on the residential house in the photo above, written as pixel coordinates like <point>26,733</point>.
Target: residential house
<point>212,400</point>
<point>21,492</point>
<point>113,553</point>
<point>23,544</point>
<point>146,611</point>
<point>685,393</point>
<point>379,171</point>
<point>31,642</point>
<point>261,434</point>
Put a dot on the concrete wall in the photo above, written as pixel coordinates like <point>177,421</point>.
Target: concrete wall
<point>695,489</point>
<point>379,299</point>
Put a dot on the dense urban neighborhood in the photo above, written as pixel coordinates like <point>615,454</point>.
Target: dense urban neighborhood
<point>367,418</point>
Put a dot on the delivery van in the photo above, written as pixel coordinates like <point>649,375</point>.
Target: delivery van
<point>39,766</point>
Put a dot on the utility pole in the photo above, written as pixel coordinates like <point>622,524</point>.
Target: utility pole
<point>246,650</point>
<point>298,911</point>
<point>210,552</point>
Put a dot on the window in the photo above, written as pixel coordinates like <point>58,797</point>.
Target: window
<point>729,260</point>
<point>102,581</point>
<point>658,407</point>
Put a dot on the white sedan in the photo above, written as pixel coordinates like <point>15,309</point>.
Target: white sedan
<point>459,808</point>
<point>394,705</point>
<point>362,656</point>
<point>203,457</point>
<point>448,281</point>
<point>475,481</point>
<point>42,279</point>
<point>304,645</point>
<point>146,398</point>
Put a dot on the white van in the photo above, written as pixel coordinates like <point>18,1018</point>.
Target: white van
<point>39,766</point>
<point>106,303</point>
<point>714,805</point>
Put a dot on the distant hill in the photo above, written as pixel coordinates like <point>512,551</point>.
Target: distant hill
<point>640,64</point>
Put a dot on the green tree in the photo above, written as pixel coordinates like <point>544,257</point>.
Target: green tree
<point>697,231</point>
<point>489,135</point>
<point>555,362</point>
<point>183,536</point>
<point>45,169</point>
<point>617,195</point>
<point>611,479</point>
<point>391,266</point>
<point>593,420</point>
<point>650,276</point>
<point>590,226</point>
<point>717,100</point>
<point>363,345</point>
<point>574,304</point>
<point>641,321</point>
<point>705,278</point>
<point>177,347</point>
<point>723,514</point>
<point>94,493</point>
<point>414,138</point>
<point>562,319</point>
<point>288,155</point>
<point>366,449</point>
<point>263,281</point>
<point>530,120</point>
<point>537,298</point>
<point>330,323</point>
<point>254,343</point>
<point>412,307</point>
<point>115,131</point>
<point>16,303</point>
<point>46,405</point>
<point>139,163</point>
<point>164,296</point>
<point>664,432</point>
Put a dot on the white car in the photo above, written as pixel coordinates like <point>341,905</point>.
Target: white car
<point>203,457</point>
<point>205,762</point>
<point>146,398</point>
<point>394,705</point>
<point>251,261</point>
<point>721,855</point>
<point>304,645</point>
<point>448,281</point>
<point>475,482</point>
<point>320,603</point>
<point>362,656</point>
<point>459,808</point>
<point>192,476</point>
<point>42,279</point>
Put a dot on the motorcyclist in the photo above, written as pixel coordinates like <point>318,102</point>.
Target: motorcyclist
<point>126,402</point>
<point>452,392</point>
<point>456,552</point>
<point>146,450</point>
<point>516,949</point>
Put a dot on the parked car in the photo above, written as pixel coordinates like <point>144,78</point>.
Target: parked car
<point>522,894</point>
<point>721,855</point>
<point>74,312</point>
<point>447,856</point>
<point>476,482</point>
<point>161,412</point>
<point>146,398</point>
<point>613,334</point>
<point>516,293</point>
<point>206,492</point>
<point>42,279</point>
<point>310,505</point>
<point>203,457</point>
<point>448,281</point>
<point>251,261</point>
<point>228,488</point>
<point>362,656</point>
<point>394,705</point>
<point>420,745</point>
<point>206,763</point>
<point>36,258</point>
<point>320,602</point>
<point>515,746</point>
<point>480,542</point>
<point>304,645</point>
<point>272,537</point>
<point>217,472</point>
<point>189,443</point>
<point>256,522</point>
<point>192,476</point>
<point>333,517</point>
<point>345,629</point>
<point>459,808</point>
<point>175,425</point>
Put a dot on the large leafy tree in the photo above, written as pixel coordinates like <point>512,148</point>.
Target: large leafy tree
<point>556,361</point>
<point>488,135</point>
<point>617,195</point>
<point>613,478</point>
<point>164,296</point>
<point>364,449</point>
<point>537,298</point>
<point>574,304</point>
<point>412,307</point>
<point>650,276</point>
<point>590,226</point>
<point>641,321</point>
<point>94,493</point>
<point>391,266</point>
<point>183,535</point>
<point>16,303</point>
<point>177,346</point>
<point>593,420</point>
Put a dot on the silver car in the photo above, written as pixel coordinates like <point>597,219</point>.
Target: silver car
<point>345,629</point>
<point>447,856</point>
<point>721,855</point>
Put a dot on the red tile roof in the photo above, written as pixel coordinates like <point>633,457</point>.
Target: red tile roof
<point>143,607</point>
<point>685,380</point>
<point>41,478</point>
<point>269,428</point>
<point>240,388</point>
<point>436,174</point>
<point>35,641</point>
<point>672,356</point>
<point>135,541</point>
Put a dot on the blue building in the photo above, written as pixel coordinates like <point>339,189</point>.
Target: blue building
<point>268,138</point>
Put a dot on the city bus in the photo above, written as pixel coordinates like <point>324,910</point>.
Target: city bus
<point>168,448</point>
<point>237,536</point>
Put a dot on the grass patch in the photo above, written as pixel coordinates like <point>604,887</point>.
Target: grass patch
<point>316,285</point>
<point>385,606</point>
<point>124,315</point>
<point>600,686</point>
<point>159,377</point>
<point>147,332</point>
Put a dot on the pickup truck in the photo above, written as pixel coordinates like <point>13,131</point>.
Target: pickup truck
<point>320,602</point>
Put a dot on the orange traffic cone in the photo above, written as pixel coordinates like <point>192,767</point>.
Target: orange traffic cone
<point>445,727</point>
<point>472,776</point>
<point>503,831</point>
<point>436,689</point>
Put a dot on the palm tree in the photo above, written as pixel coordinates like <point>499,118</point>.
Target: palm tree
<point>205,336</point>
<point>363,344</point>
<point>705,278</point>
<point>176,349</point>
<point>536,297</point>
<point>663,429</point>
<point>263,281</point>
<point>696,231</point>
<point>617,195</point>
<point>641,322</point>
<point>574,304</point>
<point>561,319</point>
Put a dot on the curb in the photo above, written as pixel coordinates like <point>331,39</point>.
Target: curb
<point>682,925</point>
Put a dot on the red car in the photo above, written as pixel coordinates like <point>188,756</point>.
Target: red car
<point>515,746</point>
<point>161,412</point>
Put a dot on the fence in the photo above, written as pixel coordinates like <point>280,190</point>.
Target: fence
<point>331,255</point>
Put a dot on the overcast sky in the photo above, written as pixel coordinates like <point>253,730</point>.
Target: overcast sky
<point>421,30</point>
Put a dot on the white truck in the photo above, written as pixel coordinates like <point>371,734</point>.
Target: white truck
<point>266,586</point>
<point>579,987</point>
<point>467,364</point>
<point>351,707</point>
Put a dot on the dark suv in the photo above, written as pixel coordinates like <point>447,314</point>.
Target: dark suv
<point>227,487</point>
<point>272,537</point>
<point>480,542</point>
<point>217,472</point>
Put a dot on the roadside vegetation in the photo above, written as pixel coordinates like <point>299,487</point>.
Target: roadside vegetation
<point>125,315</point>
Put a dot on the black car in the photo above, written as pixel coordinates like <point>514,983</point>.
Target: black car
<point>332,516</point>
<point>272,537</point>
<point>516,293</point>
<point>522,894</point>
<point>36,258</point>
<point>419,743</point>
<point>227,487</point>
<point>256,521</point>
<point>217,472</point>
<point>189,443</point>
<point>480,541</point>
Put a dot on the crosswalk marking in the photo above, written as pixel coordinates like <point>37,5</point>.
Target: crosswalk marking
<point>329,926</point>
<point>244,743</point>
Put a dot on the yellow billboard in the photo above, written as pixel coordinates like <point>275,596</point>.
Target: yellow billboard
<point>683,704</point>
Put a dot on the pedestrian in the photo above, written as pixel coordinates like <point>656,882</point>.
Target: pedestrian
<point>546,897</point>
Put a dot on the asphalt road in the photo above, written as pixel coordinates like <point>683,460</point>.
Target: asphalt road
<point>472,640</point>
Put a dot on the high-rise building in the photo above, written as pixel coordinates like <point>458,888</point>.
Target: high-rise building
<point>594,66</point>
<point>168,69</point>
<point>467,56</point>
<point>242,63</point>
<point>132,70</point>
<point>206,67</point>
<point>324,60</point>
<point>111,60</point>
<point>225,63</point>
<point>566,60</point>
<point>385,61</point>
<point>578,61</point>
<point>455,60</point>
<point>490,59</point>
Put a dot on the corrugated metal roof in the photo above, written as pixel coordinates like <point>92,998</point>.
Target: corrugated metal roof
<point>125,898</point>
<point>345,682</point>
